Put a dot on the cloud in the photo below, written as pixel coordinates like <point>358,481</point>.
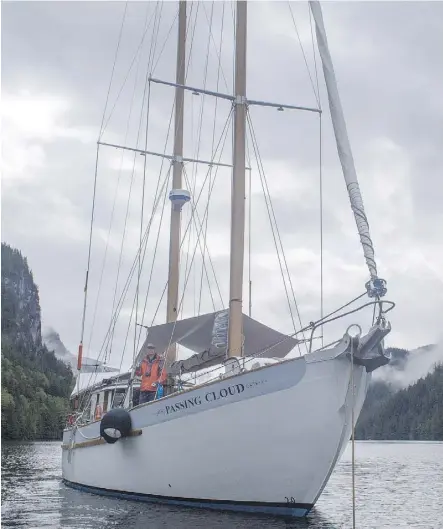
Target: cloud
<point>57,59</point>
<point>31,123</point>
<point>419,363</point>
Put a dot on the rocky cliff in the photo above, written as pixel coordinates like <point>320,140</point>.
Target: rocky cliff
<point>35,385</point>
<point>21,321</point>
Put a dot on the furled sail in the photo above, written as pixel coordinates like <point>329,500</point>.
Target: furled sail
<point>376,287</point>
<point>205,336</point>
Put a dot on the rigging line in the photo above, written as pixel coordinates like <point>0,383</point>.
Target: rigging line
<point>158,181</point>
<point>126,218</point>
<point>329,320</point>
<point>155,253</point>
<point>342,307</point>
<point>273,234</point>
<point>195,211</point>
<point>303,52</point>
<point>188,250</point>
<point>203,99</point>
<point>200,126</point>
<point>271,210</point>
<point>234,20</point>
<point>136,54</point>
<point>142,213</point>
<point>147,86</point>
<point>321,224</point>
<point>113,67</point>
<point>249,232</point>
<point>166,143</point>
<point>125,290</point>
<point>194,252</point>
<point>205,234</point>
<point>192,35</point>
<point>143,247</point>
<point>277,228</point>
<point>130,113</point>
<point>164,43</point>
<point>315,58</point>
<point>112,214</point>
<point>186,72</point>
<point>188,28</point>
<point>82,332</point>
<point>248,156</point>
<point>187,227</point>
<point>224,132</point>
<point>353,433</point>
<point>270,347</point>
<point>133,171</point>
<point>131,272</point>
<point>213,41</point>
<point>154,40</point>
<point>202,250</point>
<point>192,191</point>
<point>212,144</point>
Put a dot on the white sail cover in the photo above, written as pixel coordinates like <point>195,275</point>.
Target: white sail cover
<point>342,140</point>
<point>197,334</point>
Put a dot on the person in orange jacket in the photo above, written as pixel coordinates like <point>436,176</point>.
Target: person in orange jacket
<point>153,373</point>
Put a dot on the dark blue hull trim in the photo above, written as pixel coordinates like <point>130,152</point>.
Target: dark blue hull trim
<point>297,510</point>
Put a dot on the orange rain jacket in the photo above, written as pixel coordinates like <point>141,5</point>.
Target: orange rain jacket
<point>152,372</point>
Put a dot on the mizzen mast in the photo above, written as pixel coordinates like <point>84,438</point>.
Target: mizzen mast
<point>235,338</point>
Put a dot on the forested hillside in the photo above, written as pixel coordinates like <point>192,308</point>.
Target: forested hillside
<point>412,413</point>
<point>35,385</point>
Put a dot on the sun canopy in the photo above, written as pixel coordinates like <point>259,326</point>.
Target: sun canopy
<point>197,334</point>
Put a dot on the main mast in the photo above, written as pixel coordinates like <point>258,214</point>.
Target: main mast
<point>177,168</point>
<point>235,339</point>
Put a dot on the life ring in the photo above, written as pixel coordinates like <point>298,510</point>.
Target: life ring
<point>98,412</point>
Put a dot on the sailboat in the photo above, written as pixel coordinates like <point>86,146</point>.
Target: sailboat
<point>243,424</point>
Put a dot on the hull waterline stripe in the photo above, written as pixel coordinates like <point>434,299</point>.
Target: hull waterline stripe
<point>98,441</point>
<point>297,510</point>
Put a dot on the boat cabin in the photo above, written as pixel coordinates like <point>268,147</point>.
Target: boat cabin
<point>96,393</point>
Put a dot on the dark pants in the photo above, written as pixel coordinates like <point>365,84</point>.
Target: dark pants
<point>146,396</point>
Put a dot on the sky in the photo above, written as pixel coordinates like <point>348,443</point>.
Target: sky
<point>57,59</point>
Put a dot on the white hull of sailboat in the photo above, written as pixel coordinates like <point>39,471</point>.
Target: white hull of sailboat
<point>266,440</point>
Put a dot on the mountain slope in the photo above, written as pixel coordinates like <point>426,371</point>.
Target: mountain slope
<point>35,385</point>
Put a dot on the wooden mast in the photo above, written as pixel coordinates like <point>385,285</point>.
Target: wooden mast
<point>174,242</point>
<point>235,339</point>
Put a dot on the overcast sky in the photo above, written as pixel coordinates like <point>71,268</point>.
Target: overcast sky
<point>57,59</point>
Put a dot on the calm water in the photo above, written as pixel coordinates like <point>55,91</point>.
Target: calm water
<point>397,485</point>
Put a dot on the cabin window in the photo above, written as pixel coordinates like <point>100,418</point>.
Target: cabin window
<point>93,401</point>
<point>119,398</point>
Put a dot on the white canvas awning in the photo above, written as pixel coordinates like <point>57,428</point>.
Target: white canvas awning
<point>196,334</point>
